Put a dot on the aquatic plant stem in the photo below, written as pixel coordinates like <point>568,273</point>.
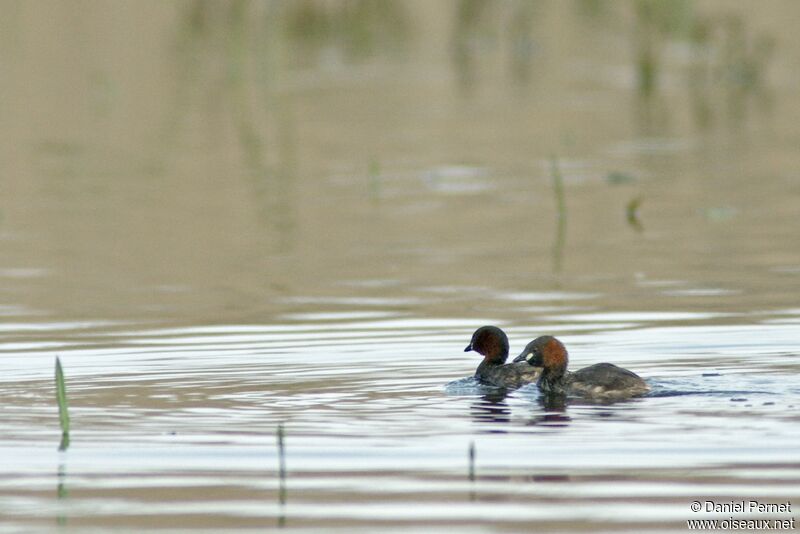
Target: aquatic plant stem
<point>471,475</point>
<point>632,214</point>
<point>63,408</point>
<point>472,461</point>
<point>561,217</point>
<point>281,476</point>
<point>281,466</point>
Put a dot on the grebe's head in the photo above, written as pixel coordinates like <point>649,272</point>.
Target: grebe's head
<point>491,343</point>
<point>547,352</point>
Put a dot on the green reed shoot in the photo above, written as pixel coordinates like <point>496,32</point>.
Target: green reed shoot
<point>632,213</point>
<point>63,408</point>
<point>561,207</point>
<point>374,172</point>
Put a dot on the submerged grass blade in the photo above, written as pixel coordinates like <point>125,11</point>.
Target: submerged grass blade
<point>63,408</point>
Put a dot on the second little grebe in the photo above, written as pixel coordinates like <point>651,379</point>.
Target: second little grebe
<point>492,343</point>
<point>603,381</point>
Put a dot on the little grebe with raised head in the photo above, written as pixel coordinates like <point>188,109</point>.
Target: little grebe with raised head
<point>492,343</point>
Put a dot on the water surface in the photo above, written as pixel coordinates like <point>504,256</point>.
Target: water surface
<point>228,217</point>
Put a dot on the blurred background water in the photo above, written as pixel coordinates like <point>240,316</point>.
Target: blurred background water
<point>226,216</point>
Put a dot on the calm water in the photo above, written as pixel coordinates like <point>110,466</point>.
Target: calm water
<point>226,217</point>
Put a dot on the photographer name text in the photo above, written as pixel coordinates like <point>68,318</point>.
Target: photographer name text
<point>741,507</point>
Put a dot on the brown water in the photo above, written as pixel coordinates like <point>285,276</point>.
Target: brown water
<point>227,216</point>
